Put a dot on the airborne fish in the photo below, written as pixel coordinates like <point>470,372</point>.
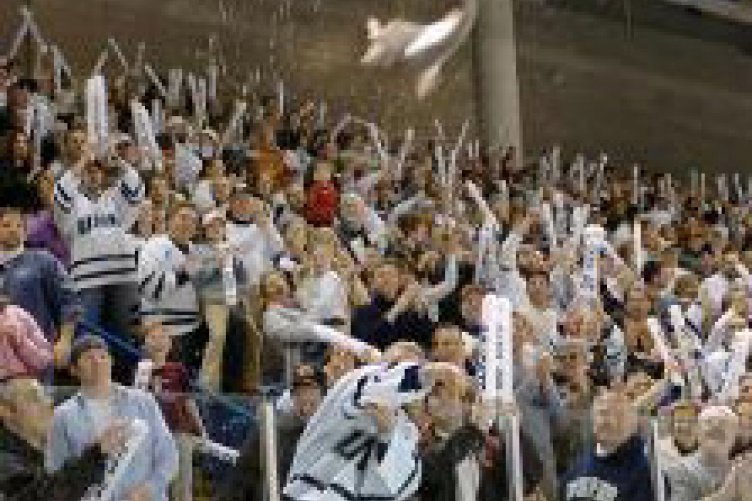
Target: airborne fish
<point>426,47</point>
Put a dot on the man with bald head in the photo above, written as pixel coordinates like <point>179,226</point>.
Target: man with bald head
<point>618,469</point>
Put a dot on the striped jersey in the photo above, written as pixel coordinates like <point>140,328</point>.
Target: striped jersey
<point>168,293</point>
<point>342,456</point>
<point>102,251</point>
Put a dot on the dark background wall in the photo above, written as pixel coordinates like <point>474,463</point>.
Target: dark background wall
<point>671,92</point>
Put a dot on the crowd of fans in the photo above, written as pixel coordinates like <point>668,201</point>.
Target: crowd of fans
<point>292,249</point>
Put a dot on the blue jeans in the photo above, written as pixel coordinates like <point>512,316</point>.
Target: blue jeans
<point>114,308</point>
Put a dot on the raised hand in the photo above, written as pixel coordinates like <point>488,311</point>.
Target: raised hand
<point>383,416</point>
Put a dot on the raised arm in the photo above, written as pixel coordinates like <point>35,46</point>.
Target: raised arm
<point>130,191</point>
<point>67,189</point>
<point>441,290</point>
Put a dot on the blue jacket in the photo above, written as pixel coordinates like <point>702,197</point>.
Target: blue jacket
<point>156,462</point>
<point>624,475</point>
<point>37,282</point>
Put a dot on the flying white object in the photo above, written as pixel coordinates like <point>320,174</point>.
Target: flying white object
<point>426,47</point>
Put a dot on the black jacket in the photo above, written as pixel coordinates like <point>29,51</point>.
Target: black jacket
<point>439,482</point>
<point>369,324</point>
<point>246,481</point>
<point>23,478</point>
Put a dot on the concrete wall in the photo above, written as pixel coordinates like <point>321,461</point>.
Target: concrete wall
<point>673,95</point>
<point>314,44</point>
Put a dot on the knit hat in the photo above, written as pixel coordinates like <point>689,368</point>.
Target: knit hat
<point>83,344</point>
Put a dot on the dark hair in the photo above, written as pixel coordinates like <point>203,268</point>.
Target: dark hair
<point>447,326</point>
<point>308,376</point>
<point>27,84</point>
<point>6,210</point>
<point>10,145</point>
<point>650,271</point>
<point>165,142</point>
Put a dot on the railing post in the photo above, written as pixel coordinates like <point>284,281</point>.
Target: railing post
<point>269,448</point>
<point>495,79</point>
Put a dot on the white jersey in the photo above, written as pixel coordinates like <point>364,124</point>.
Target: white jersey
<point>324,297</point>
<point>102,251</point>
<point>168,295</point>
<point>256,248</point>
<point>342,456</point>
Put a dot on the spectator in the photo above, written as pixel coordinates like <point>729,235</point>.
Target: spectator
<point>717,286</point>
<point>41,231</point>
<point>220,282</point>
<point>37,282</point>
<point>458,464</point>
<point>321,197</point>
<point>168,266</point>
<point>252,232</point>
<point>171,386</point>
<point>617,468</point>
<point>246,481</point>
<point>95,206</point>
<point>449,346</point>
<point>25,419</point>
<point>16,168</point>
<point>24,352</point>
<point>101,404</point>
<point>710,473</point>
<point>392,314</point>
<point>682,439</point>
<point>321,292</point>
<point>339,361</point>
<point>359,226</point>
<point>743,409</point>
<point>471,301</point>
<point>539,310</point>
<point>363,410</point>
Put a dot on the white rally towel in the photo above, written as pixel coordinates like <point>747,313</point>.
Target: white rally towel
<point>341,455</point>
<point>187,166</point>
<point>145,137</point>
<point>96,114</point>
<point>426,47</point>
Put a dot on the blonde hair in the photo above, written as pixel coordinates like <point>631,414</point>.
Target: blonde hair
<point>270,283</point>
<point>21,389</point>
<point>323,237</point>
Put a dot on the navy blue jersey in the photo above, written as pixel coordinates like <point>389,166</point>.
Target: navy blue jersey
<point>624,475</point>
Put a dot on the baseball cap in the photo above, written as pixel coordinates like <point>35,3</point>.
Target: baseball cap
<point>83,344</point>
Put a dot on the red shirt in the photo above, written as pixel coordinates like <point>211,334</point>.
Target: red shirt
<point>321,203</point>
<point>170,385</point>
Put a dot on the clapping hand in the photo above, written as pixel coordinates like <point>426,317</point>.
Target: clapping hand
<point>112,440</point>
<point>141,493</point>
<point>383,416</point>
